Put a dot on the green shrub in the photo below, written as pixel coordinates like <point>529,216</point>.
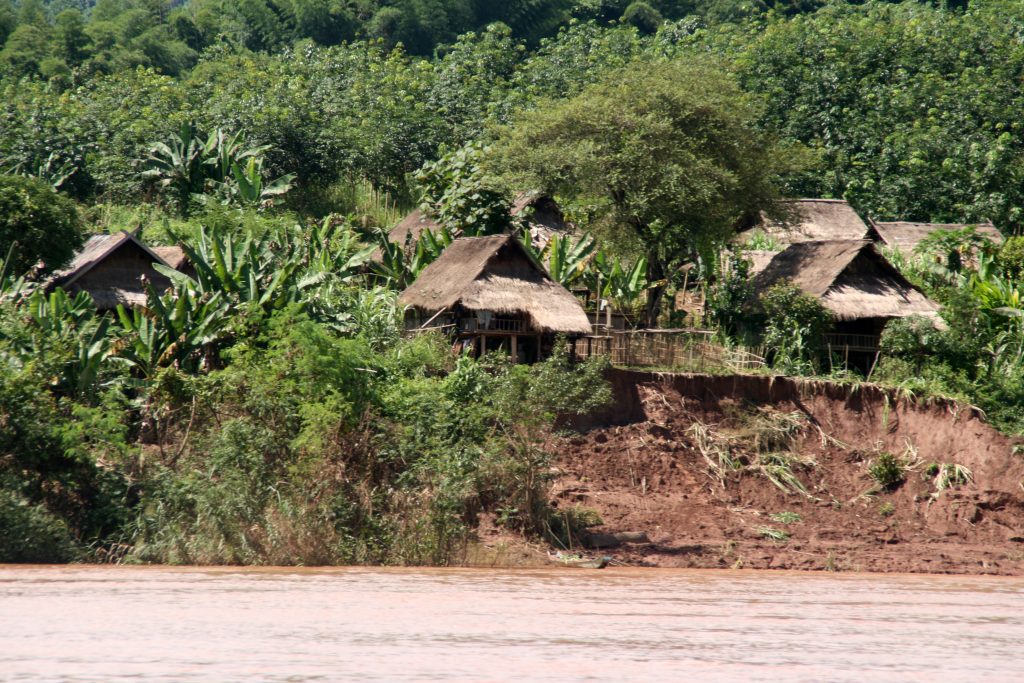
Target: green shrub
<point>785,517</point>
<point>887,470</point>
<point>40,224</point>
<point>952,476</point>
<point>773,534</point>
<point>794,325</point>
<point>914,338</point>
<point>31,533</point>
<point>1011,257</point>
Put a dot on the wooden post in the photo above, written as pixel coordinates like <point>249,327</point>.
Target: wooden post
<point>515,349</point>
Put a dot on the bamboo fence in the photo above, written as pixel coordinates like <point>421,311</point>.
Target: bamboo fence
<point>691,350</point>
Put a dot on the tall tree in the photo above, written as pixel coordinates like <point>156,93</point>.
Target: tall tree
<point>670,149</point>
<point>70,37</point>
<point>36,224</point>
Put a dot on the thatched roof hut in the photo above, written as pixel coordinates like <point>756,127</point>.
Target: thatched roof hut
<point>411,227</point>
<point>850,278</point>
<point>759,259</point>
<point>176,258</point>
<point>540,212</point>
<point>811,220</point>
<point>904,236</point>
<point>495,275</point>
<point>173,256</point>
<point>110,268</point>
<point>542,215</point>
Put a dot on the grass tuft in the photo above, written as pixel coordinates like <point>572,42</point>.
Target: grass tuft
<point>772,534</point>
<point>786,517</point>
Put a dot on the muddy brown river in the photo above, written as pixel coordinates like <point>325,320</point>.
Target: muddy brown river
<point>160,624</point>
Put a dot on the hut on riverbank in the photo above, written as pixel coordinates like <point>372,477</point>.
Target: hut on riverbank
<point>491,295</point>
<point>852,280</point>
<point>112,269</point>
<point>536,211</point>
<point>904,236</point>
<point>808,220</point>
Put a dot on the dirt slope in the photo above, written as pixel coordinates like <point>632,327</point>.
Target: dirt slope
<point>644,467</point>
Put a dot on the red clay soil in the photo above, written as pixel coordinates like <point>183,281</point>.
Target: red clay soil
<point>639,467</point>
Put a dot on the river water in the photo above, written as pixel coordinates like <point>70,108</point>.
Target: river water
<point>160,624</point>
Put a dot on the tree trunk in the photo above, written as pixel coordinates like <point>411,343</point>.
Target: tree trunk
<point>655,273</point>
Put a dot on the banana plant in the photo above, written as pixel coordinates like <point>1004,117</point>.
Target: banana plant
<point>53,170</point>
<point>400,265</point>
<point>330,247</point>
<point>623,286</point>
<point>225,150</point>
<point>179,328</point>
<point>180,164</point>
<point>567,260</point>
<point>11,288</point>
<point>249,273</point>
<point>332,259</point>
<point>70,323</point>
<point>249,187</point>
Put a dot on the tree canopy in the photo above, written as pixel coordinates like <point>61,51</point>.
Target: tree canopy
<point>36,224</point>
<point>669,151</point>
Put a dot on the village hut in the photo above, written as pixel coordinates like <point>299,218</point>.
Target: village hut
<point>905,236</point>
<point>176,258</point>
<point>111,269</point>
<point>852,280</point>
<point>411,227</point>
<point>493,296</point>
<point>808,220</point>
<point>539,212</point>
<point>542,216</point>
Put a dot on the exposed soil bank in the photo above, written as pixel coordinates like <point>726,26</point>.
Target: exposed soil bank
<point>642,466</point>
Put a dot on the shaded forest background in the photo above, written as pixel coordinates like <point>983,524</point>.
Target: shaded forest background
<point>910,111</point>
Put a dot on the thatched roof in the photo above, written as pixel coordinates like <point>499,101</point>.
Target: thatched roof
<point>411,227</point>
<point>849,277</point>
<point>496,274</point>
<point>759,259</point>
<point>110,268</point>
<point>173,256</point>
<point>905,236</point>
<point>545,218</point>
<point>810,220</point>
<point>93,252</point>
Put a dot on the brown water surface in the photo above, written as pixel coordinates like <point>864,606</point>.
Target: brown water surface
<point>164,624</point>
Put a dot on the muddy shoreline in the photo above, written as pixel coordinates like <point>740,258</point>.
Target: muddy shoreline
<point>645,466</point>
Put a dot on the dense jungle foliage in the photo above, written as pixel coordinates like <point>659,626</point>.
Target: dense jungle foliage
<point>267,409</point>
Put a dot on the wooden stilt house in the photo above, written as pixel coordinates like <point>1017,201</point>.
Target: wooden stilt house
<point>491,295</point>
<point>855,282</point>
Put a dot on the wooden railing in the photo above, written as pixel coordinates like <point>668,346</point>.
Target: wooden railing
<point>494,325</point>
<point>852,342</point>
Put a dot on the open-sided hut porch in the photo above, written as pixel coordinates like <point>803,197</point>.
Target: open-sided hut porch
<point>490,295</point>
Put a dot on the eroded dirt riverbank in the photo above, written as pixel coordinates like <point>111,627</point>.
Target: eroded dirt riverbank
<point>699,465</point>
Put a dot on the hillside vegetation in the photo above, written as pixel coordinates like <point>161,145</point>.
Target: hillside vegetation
<point>267,410</point>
